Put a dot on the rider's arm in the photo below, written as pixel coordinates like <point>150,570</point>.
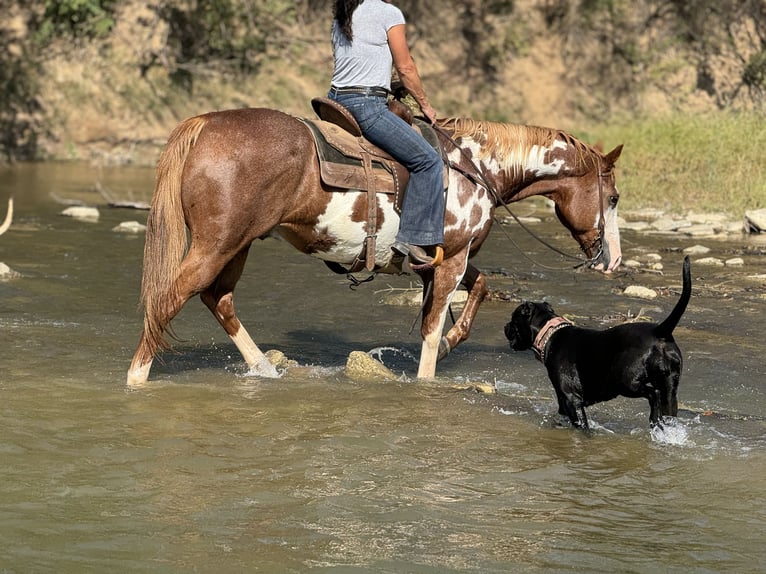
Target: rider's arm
<point>407,70</point>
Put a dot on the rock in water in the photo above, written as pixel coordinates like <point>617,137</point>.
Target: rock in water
<point>82,212</point>
<point>755,220</point>
<point>360,365</point>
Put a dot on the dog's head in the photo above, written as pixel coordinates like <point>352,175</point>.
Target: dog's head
<point>526,321</point>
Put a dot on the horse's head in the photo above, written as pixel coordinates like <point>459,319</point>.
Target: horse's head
<point>521,161</point>
<point>586,204</point>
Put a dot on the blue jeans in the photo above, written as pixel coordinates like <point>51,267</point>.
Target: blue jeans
<point>422,219</point>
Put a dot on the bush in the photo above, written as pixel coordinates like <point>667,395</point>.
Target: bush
<point>75,19</point>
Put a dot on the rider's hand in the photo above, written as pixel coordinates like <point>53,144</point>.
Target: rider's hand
<point>429,113</point>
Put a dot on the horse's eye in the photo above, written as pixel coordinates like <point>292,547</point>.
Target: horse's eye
<point>613,199</point>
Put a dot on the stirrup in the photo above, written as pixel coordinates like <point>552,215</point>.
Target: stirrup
<point>420,265</point>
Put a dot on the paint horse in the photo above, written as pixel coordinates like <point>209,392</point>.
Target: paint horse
<point>234,176</point>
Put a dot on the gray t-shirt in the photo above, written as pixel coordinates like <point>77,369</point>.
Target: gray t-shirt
<point>366,61</point>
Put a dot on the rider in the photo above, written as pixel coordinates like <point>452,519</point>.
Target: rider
<point>367,36</point>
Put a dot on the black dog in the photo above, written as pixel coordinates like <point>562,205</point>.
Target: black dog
<point>588,366</point>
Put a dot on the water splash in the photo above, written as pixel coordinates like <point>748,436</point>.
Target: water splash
<point>377,353</point>
<point>673,432</point>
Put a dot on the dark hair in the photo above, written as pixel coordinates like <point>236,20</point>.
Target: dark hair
<point>342,11</point>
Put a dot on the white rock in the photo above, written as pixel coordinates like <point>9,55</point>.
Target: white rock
<point>525,220</point>
<point>7,273</point>
<point>697,250</point>
<point>631,263</point>
<point>654,257</point>
<point>82,212</point>
<point>699,230</point>
<point>644,213</point>
<point>714,261</point>
<point>736,227</point>
<point>756,220</point>
<point>707,217</point>
<point>669,224</point>
<point>639,292</point>
<point>634,225</point>
<point>735,262</point>
<point>414,297</point>
<point>130,227</point>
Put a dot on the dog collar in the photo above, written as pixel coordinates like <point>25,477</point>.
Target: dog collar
<point>544,335</point>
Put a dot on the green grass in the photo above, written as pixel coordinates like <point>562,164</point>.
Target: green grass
<point>712,162</point>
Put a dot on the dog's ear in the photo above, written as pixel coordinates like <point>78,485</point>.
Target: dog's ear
<point>547,307</point>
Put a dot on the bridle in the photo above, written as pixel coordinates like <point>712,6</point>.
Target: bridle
<point>476,177</point>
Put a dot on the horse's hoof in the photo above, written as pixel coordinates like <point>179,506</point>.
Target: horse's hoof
<point>138,376</point>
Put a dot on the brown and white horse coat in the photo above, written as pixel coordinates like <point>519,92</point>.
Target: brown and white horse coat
<point>235,176</point>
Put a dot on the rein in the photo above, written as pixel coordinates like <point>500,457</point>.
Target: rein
<point>477,178</point>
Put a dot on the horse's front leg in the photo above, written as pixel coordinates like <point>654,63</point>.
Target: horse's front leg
<point>476,285</point>
<point>438,289</point>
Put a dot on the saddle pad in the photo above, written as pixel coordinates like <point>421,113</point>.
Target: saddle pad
<point>340,156</point>
<point>340,162</point>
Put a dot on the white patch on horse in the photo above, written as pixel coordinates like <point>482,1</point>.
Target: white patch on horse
<point>518,161</point>
<point>463,207</point>
<point>349,235</point>
<point>535,161</point>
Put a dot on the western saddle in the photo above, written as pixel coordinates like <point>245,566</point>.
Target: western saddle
<point>349,161</point>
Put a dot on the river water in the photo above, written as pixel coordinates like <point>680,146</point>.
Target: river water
<point>210,469</point>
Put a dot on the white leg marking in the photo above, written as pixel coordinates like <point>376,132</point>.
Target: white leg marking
<point>429,352</point>
<point>138,376</point>
<point>257,362</point>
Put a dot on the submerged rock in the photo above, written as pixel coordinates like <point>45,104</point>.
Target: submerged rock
<point>7,273</point>
<point>279,359</point>
<point>697,250</point>
<point>361,365</point>
<point>82,212</point>
<point>129,227</point>
<point>639,292</point>
<point>713,261</point>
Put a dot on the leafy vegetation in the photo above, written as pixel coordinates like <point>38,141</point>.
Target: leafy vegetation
<point>75,19</point>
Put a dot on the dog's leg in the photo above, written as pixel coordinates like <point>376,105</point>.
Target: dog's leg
<point>573,407</point>
<point>655,413</point>
<point>584,418</point>
<point>568,385</point>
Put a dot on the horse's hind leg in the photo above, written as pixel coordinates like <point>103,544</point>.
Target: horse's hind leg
<point>199,272</point>
<point>147,348</point>
<point>219,298</point>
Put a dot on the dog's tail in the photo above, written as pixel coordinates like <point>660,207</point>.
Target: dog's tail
<point>665,329</point>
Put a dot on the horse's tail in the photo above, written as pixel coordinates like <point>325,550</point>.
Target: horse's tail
<point>665,329</point>
<point>6,225</point>
<point>166,241</point>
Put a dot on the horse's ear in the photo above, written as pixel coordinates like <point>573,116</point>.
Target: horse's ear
<point>612,156</point>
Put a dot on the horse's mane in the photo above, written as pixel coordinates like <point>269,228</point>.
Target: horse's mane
<point>514,142</point>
